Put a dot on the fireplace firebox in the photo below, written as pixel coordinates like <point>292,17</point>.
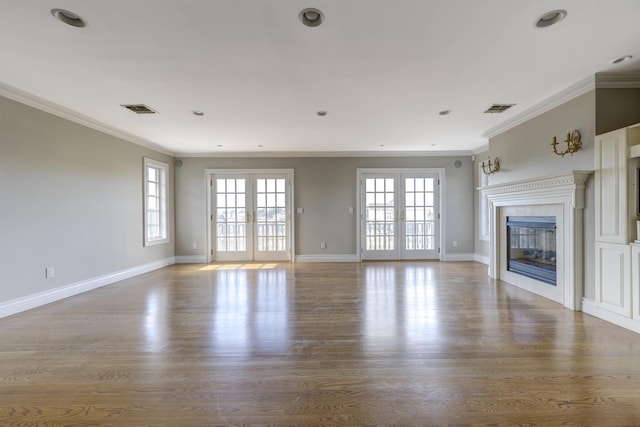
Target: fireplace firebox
<point>531,247</point>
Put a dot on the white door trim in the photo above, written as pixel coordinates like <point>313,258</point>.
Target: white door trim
<point>441,204</point>
<point>208,177</point>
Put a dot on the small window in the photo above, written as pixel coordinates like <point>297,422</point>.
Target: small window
<point>156,229</point>
<point>484,213</point>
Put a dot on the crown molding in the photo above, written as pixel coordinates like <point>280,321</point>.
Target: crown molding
<point>460,153</point>
<point>580,88</point>
<point>617,80</point>
<point>75,117</point>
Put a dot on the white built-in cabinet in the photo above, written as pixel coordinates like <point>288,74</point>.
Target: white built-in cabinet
<point>617,257</point>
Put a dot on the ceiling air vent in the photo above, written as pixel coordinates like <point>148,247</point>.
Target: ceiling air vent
<point>498,108</point>
<point>139,108</point>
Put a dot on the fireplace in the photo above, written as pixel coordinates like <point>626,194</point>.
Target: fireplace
<point>531,247</point>
<point>560,197</point>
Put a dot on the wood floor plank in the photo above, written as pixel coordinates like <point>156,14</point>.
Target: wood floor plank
<point>374,343</point>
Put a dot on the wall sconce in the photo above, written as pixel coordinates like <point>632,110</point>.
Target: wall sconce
<point>491,168</point>
<point>574,143</point>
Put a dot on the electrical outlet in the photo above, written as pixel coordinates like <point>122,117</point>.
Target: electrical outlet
<point>49,272</point>
<point>455,243</point>
<point>194,245</point>
<point>323,245</point>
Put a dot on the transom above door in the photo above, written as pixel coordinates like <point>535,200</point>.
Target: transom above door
<point>399,214</point>
<point>250,215</point>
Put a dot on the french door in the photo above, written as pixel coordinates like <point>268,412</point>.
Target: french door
<point>251,218</point>
<point>400,216</point>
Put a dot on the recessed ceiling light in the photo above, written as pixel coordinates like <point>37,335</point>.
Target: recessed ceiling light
<point>311,17</point>
<point>260,145</point>
<point>445,112</point>
<point>621,59</point>
<point>321,113</point>
<point>68,18</point>
<point>197,113</point>
<point>551,18</point>
<point>219,145</point>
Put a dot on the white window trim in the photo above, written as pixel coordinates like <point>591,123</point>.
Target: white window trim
<point>164,211</point>
<point>483,206</point>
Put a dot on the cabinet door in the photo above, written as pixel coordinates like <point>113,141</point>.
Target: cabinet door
<point>611,187</point>
<point>635,281</point>
<point>613,278</point>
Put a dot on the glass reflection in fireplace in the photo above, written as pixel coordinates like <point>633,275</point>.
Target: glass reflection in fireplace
<point>531,247</point>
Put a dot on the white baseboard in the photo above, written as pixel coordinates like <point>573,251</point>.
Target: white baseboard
<point>328,258</point>
<point>590,307</point>
<point>482,259</point>
<point>459,257</point>
<point>191,259</point>
<point>41,298</point>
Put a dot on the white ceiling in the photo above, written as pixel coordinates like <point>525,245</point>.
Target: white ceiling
<point>382,69</point>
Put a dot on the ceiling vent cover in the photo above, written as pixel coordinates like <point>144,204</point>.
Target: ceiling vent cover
<point>498,108</point>
<point>139,108</point>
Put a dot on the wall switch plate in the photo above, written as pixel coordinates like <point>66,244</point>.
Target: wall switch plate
<point>323,245</point>
<point>195,245</point>
<point>300,210</point>
<point>49,272</point>
<point>350,210</point>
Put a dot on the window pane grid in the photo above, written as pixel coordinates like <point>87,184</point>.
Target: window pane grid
<point>419,214</point>
<point>155,201</point>
<point>271,214</point>
<point>231,215</point>
<point>380,214</point>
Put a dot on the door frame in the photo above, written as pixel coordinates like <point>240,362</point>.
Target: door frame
<point>208,219</point>
<point>360,214</point>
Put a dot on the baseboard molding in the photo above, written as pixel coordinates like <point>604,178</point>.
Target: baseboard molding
<point>328,258</point>
<point>459,257</point>
<point>28,302</point>
<point>191,259</point>
<point>482,259</point>
<point>590,307</point>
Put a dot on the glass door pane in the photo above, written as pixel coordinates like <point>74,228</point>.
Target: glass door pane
<point>233,238</point>
<point>271,222</point>
<point>380,219</point>
<point>419,215</point>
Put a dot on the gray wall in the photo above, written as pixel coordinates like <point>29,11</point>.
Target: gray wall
<point>325,187</point>
<point>71,198</point>
<point>616,108</point>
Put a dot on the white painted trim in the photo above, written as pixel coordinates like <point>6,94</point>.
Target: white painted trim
<point>208,179</point>
<point>580,88</point>
<point>328,258</point>
<point>73,116</point>
<point>459,257</point>
<point>191,259</point>
<point>564,189</point>
<point>590,307</point>
<point>482,259</point>
<point>320,154</point>
<point>36,300</point>
<point>163,189</point>
<point>441,202</point>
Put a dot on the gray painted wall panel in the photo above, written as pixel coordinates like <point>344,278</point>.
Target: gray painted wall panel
<point>70,198</point>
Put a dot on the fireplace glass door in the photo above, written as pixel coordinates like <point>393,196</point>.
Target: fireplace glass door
<point>531,248</point>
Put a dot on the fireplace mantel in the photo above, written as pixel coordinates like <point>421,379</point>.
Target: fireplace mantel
<point>566,190</point>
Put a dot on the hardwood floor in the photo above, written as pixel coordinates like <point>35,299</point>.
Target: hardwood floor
<point>414,343</point>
